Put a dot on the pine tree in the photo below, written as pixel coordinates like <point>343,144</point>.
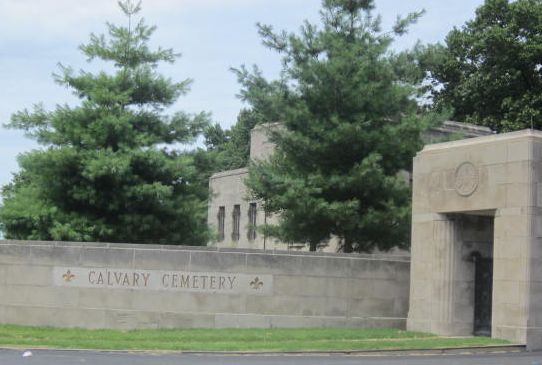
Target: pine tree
<point>110,168</point>
<point>350,125</point>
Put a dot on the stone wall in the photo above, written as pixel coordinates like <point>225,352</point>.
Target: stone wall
<point>149,286</point>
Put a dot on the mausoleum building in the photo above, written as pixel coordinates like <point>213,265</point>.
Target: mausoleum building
<point>234,216</point>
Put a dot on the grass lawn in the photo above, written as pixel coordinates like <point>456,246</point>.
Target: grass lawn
<point>231,339</point>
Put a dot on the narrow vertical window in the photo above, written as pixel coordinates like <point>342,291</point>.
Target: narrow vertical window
<point>252,211</point>
<point>236,215</point>
<point>221,215</point>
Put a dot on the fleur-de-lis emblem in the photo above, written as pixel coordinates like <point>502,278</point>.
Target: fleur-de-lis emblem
<point>256,283</point>
<point>68,276</point>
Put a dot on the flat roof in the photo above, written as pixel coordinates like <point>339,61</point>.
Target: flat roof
<point>525,133</point>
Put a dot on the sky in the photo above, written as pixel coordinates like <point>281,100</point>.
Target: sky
<point>211,35</point>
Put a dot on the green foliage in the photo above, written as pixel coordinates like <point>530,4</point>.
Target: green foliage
<point>230,149</point>
<point>490,70</point>
<point>109,169</point>
<point>350,121</point>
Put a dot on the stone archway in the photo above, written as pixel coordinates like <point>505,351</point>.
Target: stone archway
<point>467,188</point>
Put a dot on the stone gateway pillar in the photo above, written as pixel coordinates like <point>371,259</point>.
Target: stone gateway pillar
<point>477,238</point>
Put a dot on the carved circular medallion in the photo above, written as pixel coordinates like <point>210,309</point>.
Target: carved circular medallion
<point>466,179</point>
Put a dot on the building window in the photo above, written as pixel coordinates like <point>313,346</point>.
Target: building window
<point>221,216</point>
<point>236,215</point>
<point>252,212</point>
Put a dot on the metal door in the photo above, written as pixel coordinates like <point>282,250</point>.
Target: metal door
<point>483,283</point>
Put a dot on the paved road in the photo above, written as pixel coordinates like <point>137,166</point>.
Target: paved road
<point>49,357</point>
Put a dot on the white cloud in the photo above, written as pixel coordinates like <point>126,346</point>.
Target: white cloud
<point>51,17</point>
<point>56,14</point>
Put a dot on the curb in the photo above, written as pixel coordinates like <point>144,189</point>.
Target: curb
<point>391,352</point>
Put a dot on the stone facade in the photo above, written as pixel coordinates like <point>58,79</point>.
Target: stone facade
<point>228,190</point>
<point>233,225</point>
<point>93,285</point>
<point>474,199</point>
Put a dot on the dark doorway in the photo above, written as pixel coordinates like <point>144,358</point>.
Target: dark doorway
<point>483,283</point>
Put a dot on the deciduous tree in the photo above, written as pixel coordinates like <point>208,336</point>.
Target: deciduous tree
<point>490,70</point>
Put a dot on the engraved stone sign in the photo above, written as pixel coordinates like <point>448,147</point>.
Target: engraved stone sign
<point>466,179</point>
<point>182,281</point>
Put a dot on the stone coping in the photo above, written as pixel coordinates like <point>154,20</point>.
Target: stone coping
<point>472,130</point>
<point>240,171</point>
<point>267,126</point>
<point>376,256</point>
<point>437,147</point>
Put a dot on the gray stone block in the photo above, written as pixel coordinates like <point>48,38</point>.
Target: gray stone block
<point>328,321</point>
<point>338,287</point>
<point>216,303</point>
<point>242,321</point>
<point>107,257</point>
<point>298,321</point>
<point>534,339</point>
<point>389,289</point>
<point>53,297</point>
<point>361,288</point>
<point>2,274</point>
<point>274,264</point>
<point>373,269</point>
<point>14,253</point>
<point>400,307</point>
<point>54,317</point>
<point>402,272</point>
<point>167,302</point>
<point>157,259</point>
<point>515,334</point>
<point>38,296</point>
<point>179,302</point>
<point>302,306</point>
<point>187,320</point>
<point>55,255</point>
<point>241,250</point>
<point>536,265</point>
<point>125,319</point>
<point>376,322</point>
<point>326,266</point>
<point>10,295</point>
<point>464,313</point>
<point>98,298</point>
<point>189,248</point>
<point>220,303</point>
<point>270,305</point>
<point>218,261</point>
<point>371,307</point>
<point>316,286</point>
<point>137,246</point>
<point>29,275</point>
